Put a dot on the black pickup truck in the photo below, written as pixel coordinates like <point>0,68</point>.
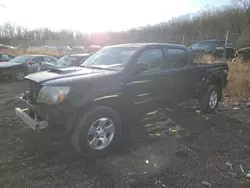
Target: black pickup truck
<point>93,102</point>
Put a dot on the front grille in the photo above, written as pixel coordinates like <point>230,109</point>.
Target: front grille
<point>34,90</point>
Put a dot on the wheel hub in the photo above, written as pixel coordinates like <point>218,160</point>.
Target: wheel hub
<point>101,133</point>
<point>213,99</point>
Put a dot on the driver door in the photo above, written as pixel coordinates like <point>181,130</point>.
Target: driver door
<point>143,89</point>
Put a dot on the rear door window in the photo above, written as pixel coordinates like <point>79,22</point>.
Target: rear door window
<point>175,58</point>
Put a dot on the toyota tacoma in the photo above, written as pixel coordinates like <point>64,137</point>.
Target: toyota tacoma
<point>93,103</point>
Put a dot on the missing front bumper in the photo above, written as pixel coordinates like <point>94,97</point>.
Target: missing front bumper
<point>32,123</point>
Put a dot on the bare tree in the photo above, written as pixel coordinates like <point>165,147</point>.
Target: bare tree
<point>245,4</point>
<point>8,30</point>
<point>19,32</point>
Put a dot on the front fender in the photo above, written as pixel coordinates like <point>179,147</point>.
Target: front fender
<point>112,100</point>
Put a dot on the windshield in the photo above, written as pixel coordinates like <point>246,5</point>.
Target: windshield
<point>113,58</point>
<point>20,59</point>
<point>67,61</point>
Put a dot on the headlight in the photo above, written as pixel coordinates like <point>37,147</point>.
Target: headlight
<point>52,95</point>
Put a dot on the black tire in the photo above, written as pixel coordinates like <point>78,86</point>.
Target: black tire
<point>79,135</point>
<point>204,101</point>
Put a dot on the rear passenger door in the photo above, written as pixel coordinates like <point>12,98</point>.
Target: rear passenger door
<point>178,75</point>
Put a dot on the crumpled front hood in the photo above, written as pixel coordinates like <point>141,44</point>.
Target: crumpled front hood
<point>57,73</point>
<point>8,64</point>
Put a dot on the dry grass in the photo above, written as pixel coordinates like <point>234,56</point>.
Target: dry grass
<point>239,80</point>
<point>206,59</point>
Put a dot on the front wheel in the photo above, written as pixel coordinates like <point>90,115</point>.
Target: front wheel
<point>97,132</point>
<point>209,101</point>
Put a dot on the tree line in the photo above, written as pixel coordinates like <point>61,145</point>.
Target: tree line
<point>209,23</point>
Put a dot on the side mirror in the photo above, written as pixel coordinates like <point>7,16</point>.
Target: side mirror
<point>141,67</point>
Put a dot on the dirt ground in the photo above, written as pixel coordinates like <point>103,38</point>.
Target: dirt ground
<point>152,155</point>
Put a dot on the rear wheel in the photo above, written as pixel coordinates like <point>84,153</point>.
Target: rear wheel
<point>209,101</point>
<point>97,132</point>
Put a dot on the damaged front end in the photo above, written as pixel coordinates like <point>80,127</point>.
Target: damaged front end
<point>28,115</point>
<point>42,112</point>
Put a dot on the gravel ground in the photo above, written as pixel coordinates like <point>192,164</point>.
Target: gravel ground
<point>152,156</point>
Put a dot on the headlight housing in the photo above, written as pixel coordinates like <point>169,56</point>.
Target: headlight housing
<point>52,94</point>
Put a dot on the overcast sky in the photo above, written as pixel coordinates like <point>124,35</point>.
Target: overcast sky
<point>96,15</point>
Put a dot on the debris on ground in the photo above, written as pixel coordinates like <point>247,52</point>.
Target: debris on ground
<point>206,184</point>
<point>236,103</point>
<point>236,108</point>
<point>198,111</point>
<point>172,130</point>
<point>234,174</point>
<point>241,168</point>
<point>159,182</point>
<point>229,165</point>
<point>175,130</point>
<point>248,175</point>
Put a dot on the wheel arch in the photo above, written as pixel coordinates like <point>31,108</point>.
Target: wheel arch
<point>216,79</point>
<point>114,102</point>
